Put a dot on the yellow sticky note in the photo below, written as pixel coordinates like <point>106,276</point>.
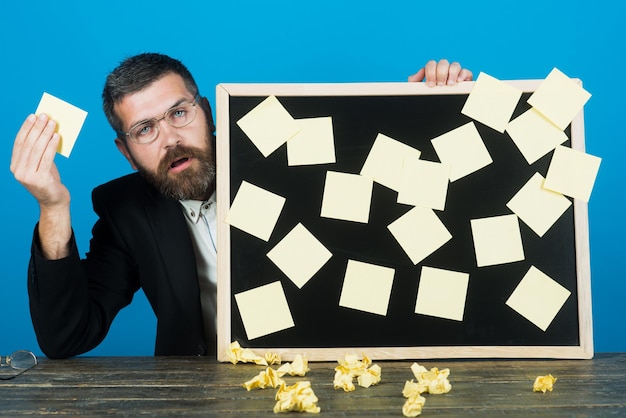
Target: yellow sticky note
<point>538,207</point>
<point>367,287</point>
<point>442,293</point>
<point>492,102</point>
<point>497,240</point>
<point>367,374</point>
<point>265,379</point>
<point>69,120</point>
<point>385,161</point>
<point>343,381</point>
<point>347,197</point>
<point>424,183</point>
<point>433,381</point>
<point>370,377</point>
<point>298,367</point>
<point>299,255</point>
<point>255,210</point>
<point>534,135</point>
<point>544,383</point>
<point>559,98</point>
<point>414,401</point>
<point>538,298</point>
<point>269,125</point>
<point>463,150</point>
<point>419,232</point>
<point>236,354</point>
<point>572,173</point>
<point>313,144</point>
<point>264,310</point>
<point>298,397</point>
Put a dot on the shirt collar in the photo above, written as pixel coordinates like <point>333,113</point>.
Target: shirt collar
<point>193,208</point>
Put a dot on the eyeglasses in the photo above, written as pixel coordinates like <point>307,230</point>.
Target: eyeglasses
<point>179,116</point>
<point>21,360</point>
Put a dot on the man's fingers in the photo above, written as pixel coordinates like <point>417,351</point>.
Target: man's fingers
<point>453,73</point>
<point>443,67</point>
<point>465,75</point>
<point>431,72</point>
<point>19,141</point>
<point>49,152</point>
<point>418,76</point>
<point>441,73</point>
<point>34,148</point>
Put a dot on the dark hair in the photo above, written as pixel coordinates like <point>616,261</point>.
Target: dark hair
<point>136,73</point>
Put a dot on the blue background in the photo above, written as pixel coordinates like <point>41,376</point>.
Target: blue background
<point>68,47</point>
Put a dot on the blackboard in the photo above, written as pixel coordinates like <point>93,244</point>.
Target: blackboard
<point>413,114</point>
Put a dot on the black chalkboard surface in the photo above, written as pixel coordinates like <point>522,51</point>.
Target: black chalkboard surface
<point>413,114</point>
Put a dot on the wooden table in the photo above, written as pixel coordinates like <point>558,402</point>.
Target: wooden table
<point>174,387</point>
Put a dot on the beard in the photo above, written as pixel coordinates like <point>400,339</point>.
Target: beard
<point>196,182</point>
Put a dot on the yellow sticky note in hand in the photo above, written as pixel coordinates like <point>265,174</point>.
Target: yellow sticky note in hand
<point>69,120</point>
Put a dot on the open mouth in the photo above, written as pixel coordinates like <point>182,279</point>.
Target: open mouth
<point>179,162</point>
<point>180,165</point>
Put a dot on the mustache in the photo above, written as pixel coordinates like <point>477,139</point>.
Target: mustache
<point>178,152</point>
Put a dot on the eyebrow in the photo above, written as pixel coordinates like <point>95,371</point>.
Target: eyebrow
<point>177,103</point>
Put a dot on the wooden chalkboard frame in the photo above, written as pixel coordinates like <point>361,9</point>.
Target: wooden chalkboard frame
<point>583,349</point>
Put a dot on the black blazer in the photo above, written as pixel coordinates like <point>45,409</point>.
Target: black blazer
<point>141,240</point>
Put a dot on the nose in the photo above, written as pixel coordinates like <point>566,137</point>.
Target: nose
<point>168,135</point>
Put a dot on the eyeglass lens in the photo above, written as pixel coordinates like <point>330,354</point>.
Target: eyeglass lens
<point>177,117</point>
<point>21,360</point>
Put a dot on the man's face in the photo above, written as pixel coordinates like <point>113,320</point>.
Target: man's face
<point>181,161</point>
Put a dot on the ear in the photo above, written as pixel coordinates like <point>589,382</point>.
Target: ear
<point>123,148</point>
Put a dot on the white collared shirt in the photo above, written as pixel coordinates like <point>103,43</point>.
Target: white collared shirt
<point>201,218</point>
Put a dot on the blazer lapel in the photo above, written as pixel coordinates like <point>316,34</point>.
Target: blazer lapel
<point>172,237</point>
